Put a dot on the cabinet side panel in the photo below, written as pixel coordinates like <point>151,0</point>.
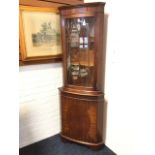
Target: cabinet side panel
<point>100,64</point>
<point>100,109</point>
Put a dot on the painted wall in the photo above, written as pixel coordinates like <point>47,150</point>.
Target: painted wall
<point>39,102</point>
<point>130,74</point>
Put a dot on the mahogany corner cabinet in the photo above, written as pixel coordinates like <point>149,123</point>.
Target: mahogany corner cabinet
<point>82,97</point>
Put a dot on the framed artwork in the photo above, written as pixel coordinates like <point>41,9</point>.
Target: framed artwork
<point>40,37</point>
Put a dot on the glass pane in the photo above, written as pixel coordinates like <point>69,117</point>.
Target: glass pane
<point>80,51</point>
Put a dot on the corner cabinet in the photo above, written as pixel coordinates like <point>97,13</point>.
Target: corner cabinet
<point>82,97</point>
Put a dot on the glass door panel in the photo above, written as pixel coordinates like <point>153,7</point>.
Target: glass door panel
<point>80,51</point>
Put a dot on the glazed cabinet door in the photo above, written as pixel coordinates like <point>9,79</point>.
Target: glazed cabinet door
<point>79,34</point>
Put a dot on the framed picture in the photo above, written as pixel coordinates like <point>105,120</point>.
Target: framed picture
<point>40,37</point>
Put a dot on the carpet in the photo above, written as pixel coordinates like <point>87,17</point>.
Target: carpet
<point>54,146</point>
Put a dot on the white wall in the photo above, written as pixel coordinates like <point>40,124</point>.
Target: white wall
<point>130,68</point>
<point>39,102</point>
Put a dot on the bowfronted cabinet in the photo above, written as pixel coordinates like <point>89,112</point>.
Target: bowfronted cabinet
<point>82,96</point>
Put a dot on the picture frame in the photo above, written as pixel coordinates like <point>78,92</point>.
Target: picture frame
<point>39,34</point>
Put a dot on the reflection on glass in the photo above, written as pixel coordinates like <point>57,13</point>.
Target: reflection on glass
<point>80,50</point>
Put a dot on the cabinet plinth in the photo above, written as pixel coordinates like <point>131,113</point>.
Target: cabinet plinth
<point>82,97</point>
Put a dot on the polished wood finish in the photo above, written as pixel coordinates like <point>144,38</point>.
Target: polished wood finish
<point>38,3</point>
<point>82,106</point>
<point>46,61</point>
<point>70,2</point>
<point>86,10</point>
<point>49,3</point>
<point>82,117</point>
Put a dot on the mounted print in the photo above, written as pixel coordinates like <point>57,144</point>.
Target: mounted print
<point>40,36</point>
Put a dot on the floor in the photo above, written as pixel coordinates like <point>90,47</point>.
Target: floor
<point>54,146</point>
